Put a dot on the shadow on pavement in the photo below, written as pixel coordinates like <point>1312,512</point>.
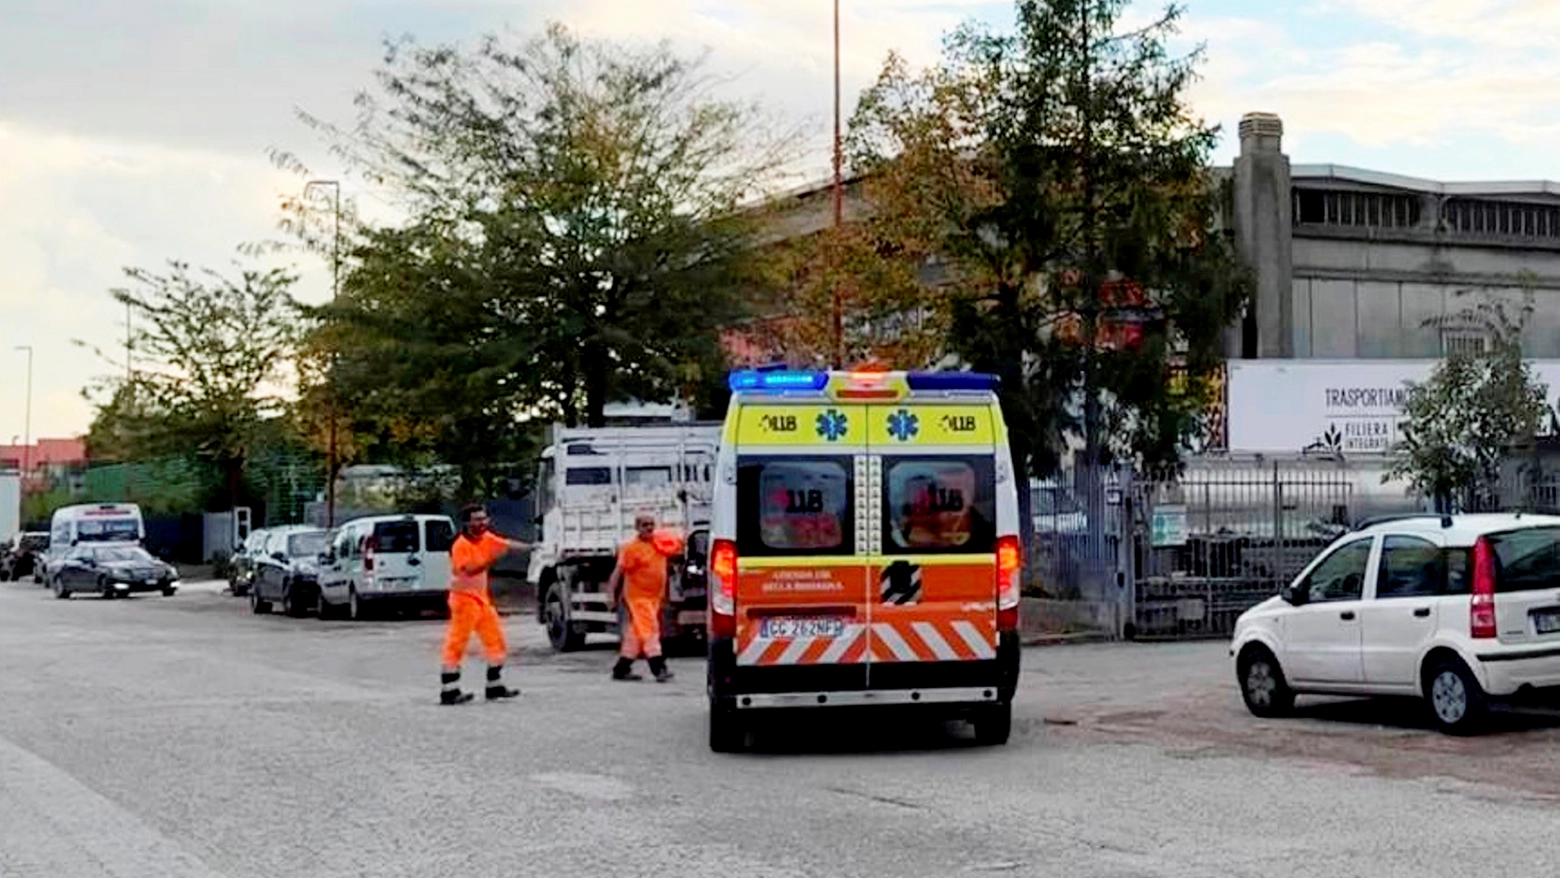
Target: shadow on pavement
<point>874,731</point>
<point>1411,714</point>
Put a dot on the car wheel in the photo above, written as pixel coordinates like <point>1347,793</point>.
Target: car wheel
<point>355,609</point>
<point>60,591</point>
<point>560,631</point>
<point>993,725</point>
<point>256,605</point>
<point>728,734</point>
<point>322,608</point>
<point>170,590</point>
<point>1262,684</point>
<point>105,588</point>
<point>1456,699</point>
<point>290,601</point>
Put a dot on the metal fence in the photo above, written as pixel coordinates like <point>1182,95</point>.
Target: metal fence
<point>1183,554</point>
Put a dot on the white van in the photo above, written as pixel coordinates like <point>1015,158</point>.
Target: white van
<point>385,560</point>
<point>96,523</point>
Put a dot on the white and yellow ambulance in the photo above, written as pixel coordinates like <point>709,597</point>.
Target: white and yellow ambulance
<point>864,550</point>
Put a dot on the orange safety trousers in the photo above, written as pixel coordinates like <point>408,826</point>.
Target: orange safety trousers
<point>642,634</point>
<point>473,612</point>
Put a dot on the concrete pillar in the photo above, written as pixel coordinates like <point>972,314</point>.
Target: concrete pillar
<point>1264,225</point>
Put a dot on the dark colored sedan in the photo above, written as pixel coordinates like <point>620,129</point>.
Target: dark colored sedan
<point>111,571</point>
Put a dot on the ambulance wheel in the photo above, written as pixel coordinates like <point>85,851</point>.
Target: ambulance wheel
<point>564,635</point>
<point>727,733</point>
<point>993,725</point>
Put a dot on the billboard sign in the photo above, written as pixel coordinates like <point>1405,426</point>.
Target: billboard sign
<point>1348,406</point>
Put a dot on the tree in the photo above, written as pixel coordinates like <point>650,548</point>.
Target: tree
<point>210,357</point>
<point>1466,418</point>
<point>588,196</point>
<point>412,351</point>
<point>1061,180</point>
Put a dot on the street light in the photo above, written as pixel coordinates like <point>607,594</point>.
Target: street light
<point>27,418</point>
<point>335,290</point>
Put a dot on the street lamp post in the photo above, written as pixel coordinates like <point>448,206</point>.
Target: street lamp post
<point>335,290</point>
<point>27,417</point>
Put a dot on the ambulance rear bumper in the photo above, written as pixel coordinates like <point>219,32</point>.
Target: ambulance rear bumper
<point>906,684</point>
<point>866,698</point>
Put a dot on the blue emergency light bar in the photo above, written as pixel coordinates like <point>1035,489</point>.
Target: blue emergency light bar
<point>776,379</point>
<point>944,381</point>
<point>815,381</point>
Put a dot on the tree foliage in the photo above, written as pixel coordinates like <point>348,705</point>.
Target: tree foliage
<point>1464,420</point>
<point>1058,177</point>
<point>574,237</point>
<point>210,353</point>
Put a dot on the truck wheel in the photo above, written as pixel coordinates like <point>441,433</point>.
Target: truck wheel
<point>993,725</point>
<point>560,631</point>
<point>728,734</point>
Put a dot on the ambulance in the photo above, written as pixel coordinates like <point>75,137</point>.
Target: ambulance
<point>864,550</point>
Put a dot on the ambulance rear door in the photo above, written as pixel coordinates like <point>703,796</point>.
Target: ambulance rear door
<point>802,580</point>
<point>932,543</point>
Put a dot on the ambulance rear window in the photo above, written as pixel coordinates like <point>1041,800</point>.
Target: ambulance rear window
<point>939,504</point>
<point>794,506</point>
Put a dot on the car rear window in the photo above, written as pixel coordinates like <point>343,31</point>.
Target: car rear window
<point>307,545</point>
<point>939,504</point>
<point>1526,560</point>
<point>794,506</point>
<point>395,536</point>
<point>440,535</point>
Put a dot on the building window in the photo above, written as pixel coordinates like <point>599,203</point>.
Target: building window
<point>1373,210</point>
<point>1511,219</point>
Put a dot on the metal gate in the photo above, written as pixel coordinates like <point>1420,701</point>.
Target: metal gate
<point>1208,544</point>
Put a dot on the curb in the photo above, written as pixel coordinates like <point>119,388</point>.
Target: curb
<point>1064,639</point>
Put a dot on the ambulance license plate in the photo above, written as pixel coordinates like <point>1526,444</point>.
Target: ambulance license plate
<point>782,626</point>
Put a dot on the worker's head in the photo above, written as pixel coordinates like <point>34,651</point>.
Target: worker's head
<point>644,526</point>
<point>474,519</point>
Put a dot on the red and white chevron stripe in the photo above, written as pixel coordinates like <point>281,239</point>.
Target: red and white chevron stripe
<point>900,640</point>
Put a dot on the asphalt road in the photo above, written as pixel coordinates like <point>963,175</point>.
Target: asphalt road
<point>180,737</point>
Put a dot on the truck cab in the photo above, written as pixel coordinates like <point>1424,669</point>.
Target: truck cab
<point>591,484</point>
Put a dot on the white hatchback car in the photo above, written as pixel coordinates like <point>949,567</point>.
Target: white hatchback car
<point>1461,610</point>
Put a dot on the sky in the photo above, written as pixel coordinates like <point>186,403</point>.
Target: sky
<point>137,131</point>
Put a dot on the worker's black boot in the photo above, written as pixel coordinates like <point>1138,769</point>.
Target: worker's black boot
<point>496,689</point>
<point>450,693</point>
<point>659,668</point>
<point>624,670</point>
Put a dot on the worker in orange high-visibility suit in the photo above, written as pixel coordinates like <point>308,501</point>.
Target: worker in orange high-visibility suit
<point>641,576</point>
<point>472,555</point>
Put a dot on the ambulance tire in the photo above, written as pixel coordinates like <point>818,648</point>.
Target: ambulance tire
<point>727,733</point>
<point>993,725</point>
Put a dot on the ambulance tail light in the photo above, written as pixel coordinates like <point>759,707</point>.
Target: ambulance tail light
<point>1010,564</point>
<point>723,589</point>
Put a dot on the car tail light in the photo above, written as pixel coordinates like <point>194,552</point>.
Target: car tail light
<point>1481,607</point>
<point>723,589</point>
<point>1010,563</point>
<point>370,546</point>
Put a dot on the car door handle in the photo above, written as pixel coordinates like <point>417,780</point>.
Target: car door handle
<point>1422,612</point>
<point>1347,615</point>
